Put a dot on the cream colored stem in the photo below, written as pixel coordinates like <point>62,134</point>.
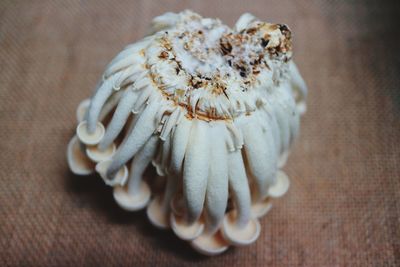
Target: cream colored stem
<point>119,118</point>
<point>240,188</point>
<point>139,164</point>
<point>261,155</point>
<point>283,124</point>
<point>110,104</point>
<point>217,185</point>
<point>120,65</point>
<point>273,127</point>
<point>141,100</point>
<point>97,102</point>
<point>180,141</point>
<point>127,56</point>
<point>124,75</point>
<point>170,190</point>
<point>139,135</point>
<point>294,125</point>
<point>195,171</point>
<point>166,155</point>
<point>296,80</point>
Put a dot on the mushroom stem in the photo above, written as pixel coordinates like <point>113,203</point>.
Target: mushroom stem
<point>240,188</point>
<point>158,210</point>
<point>119,118</point>
<point>170,190</point>
<point>236,135</point>
<point>110,104</point>
<point>217,185</point>
<point>294,126</point>
<point>170,123</point>
<point>97,102</point>
<point>141,100</point>
<point>139,164</point>
<point>120,65</point>
<point>299,87</point>
<point>274,128</point>
<point>124,75</point>
<point>141,132</point>
<point>82,110</point>
<point>165,156</point>
<point>131,51</point>
<point>195,170</point>
<point>180,140</point>
<point>260,154</point>
<point>283,125</point>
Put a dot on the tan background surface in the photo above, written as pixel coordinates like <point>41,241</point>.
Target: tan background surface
<point>343,207</point>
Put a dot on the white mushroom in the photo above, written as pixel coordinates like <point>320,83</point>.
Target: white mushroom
<point>214,109</point>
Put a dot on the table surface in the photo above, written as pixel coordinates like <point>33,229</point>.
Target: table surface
<point>343,207</point>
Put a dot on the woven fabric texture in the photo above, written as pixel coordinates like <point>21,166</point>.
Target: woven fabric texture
<point>343,207</point>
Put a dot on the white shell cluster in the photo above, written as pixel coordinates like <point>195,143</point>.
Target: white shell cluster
<point>214,110</point>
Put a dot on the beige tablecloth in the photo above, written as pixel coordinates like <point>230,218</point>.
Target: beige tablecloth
<point>343,207</point>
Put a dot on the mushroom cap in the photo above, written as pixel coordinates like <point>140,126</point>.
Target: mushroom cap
<point>210,245</point>
<point>240,235</point>
<point>131,202</point>
<point>281,186</point>
<point>157,214</point>
<point>97,155</point>
<point>90,138</point>
<point>82,109</point>
<point>261,208</point>
<point>119,178</point>
<point>78,162</point>
<point>186,231</point>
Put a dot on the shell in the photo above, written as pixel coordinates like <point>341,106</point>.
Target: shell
<point>214,109</point>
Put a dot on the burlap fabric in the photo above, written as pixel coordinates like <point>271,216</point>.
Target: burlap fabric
<point>343,207</point>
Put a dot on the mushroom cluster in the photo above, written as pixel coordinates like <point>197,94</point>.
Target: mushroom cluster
<point>214,110</point>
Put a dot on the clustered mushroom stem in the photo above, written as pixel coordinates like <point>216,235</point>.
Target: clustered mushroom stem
<point>240,188</point>
<point>217,184</point>
<point>236,135</point>
<point>170,123</point>
<point>140,163</point>
<point>284,127</point>
<point>140,102</point>
<point>294,126</point>
<point>297,81</point>
<point>123,76</point>
<point>273,126</point>
<point>179,144</point>
<point>140,133</point>
<point>118,66</point>
<point>165,153</point>
<point>260,156</point>
<point>110,104</point>
<point>124,58</point>
<point>196,170</point>
<point>98,100</point>
<point>170,190</point>
<point>119,118</point>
